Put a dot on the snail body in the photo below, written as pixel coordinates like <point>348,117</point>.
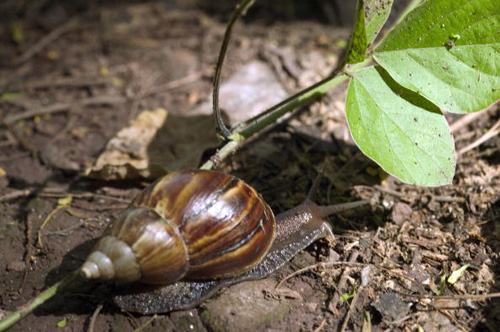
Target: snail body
<point>194,231</point>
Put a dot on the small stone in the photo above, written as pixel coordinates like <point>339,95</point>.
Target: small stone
<point>391,307</point>
<point>311,306</point>
<point>400,213</point>
<point>244,307</point>
<point>16,266</point>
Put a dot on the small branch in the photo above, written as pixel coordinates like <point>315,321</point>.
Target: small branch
<point>94,317</point>
<point>466,119</point>
<point>493,132</point>
<point>45,222</point>
<point>61,107</point>
<point>149,321</point>
<point>343,280</point>
<point>52,36</point>
<point>15,194</point>
<point>472,297</point>
<point>352,306</point>
<point>27,308</point>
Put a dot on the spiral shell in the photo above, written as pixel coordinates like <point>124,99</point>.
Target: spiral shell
<point>192,225</point>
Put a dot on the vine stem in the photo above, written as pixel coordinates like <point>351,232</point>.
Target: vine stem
<point>241,9</point>
<point>27,308</point>
<point>273,113</point>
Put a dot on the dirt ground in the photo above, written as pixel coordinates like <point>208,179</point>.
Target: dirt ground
<point>72,77</point>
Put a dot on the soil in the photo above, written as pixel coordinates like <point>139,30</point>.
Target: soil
<point>73,77</point>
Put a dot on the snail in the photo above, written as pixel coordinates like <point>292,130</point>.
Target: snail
<point>194,231</point>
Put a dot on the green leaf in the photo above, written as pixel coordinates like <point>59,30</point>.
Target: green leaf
<point>347,296</point>
<point>6,96</point>
<point>376,13</point>
<point>359,42</point>
<point>404,133</point>
<point>63,322</point>
<point>370,18</point>
<point>449,52</point>
<point>453,278</point>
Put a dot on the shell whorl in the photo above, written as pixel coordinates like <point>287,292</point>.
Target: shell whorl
<point>194,225</point>
<point>111,259</point>
<point>150,246</point>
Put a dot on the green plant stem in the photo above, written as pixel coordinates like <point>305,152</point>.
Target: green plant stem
<point>272,114</point>
<point>295,101</point>
<point>27,308</point>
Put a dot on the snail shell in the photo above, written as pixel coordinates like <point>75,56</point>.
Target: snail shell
<point>188,225</point>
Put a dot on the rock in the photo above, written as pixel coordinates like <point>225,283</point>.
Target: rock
<point>16,266</point>
<point>392,307</point>
<point>400,213</point>
<point>244,307</point>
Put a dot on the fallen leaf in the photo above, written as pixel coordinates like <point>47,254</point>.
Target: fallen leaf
<point>155,144</point>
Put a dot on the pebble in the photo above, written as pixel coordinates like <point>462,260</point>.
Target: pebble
<point>16,266</point>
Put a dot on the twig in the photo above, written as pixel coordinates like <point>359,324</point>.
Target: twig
<point>437,198</point>
<point>341,284</point>
<point>149,321</point>
<point>15,194</point>
<point>94,317</point>
<point>351,306</point>
<point>320,327</point>
<point>492,132</point>
<point>45,222</point>
<point>466,119</point>
<point>21,139</point>
<point>176,83</point>
<point>241,9</point>
<point>325,265</point>
<point>65,82</point>
<point>27,308</point>
<point>61,107</point>
<point>454,320</point>
<point>48,39</point>
<point>472,297</point>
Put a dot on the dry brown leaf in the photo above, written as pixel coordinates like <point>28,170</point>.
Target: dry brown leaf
<point>155,144</point>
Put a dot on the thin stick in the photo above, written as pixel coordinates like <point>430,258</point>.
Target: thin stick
<point>94,317</point>
<point>45,222</point>
<point>61,107</point>
<point>494,131</point>
<point>240,10</point>
<point>149,321</point>
<point>332,209</point>
<point>351,306</point>
<point>473,297</point>
<point>466,119</point>
<point>48,39</point>
<point>343,279</point>
<point>272,114</point>
<point>321,326</point>
<point>15,194</point>
<point>27,308</point>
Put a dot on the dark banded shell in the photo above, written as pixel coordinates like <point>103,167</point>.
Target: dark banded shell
<point>225,224</point>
